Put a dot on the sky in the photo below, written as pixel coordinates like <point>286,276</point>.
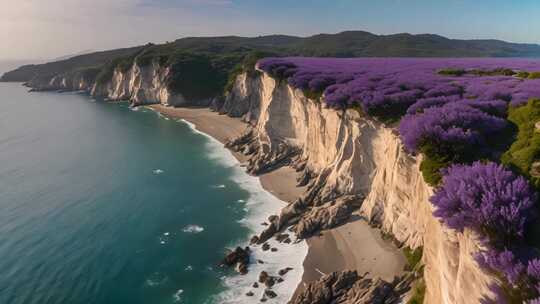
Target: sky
<point>47,29</point>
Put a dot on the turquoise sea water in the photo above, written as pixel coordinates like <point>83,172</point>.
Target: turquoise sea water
<point>102,204</point>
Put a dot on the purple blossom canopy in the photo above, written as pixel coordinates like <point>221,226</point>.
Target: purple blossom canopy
<point>504,262</point>
<point>454,124</point>
<point>452,107</point>
<point>393,84</point>
<point>487,198</point>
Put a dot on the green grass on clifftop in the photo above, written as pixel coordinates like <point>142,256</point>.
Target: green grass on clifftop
<point>525,150</point>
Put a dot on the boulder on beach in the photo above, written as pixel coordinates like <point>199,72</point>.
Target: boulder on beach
<point>239,258</point>
<point>270,293</point>
<point>263,276</point>
<point>284,271</point>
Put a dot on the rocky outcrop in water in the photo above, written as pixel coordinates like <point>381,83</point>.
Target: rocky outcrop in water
<point>239,259</point>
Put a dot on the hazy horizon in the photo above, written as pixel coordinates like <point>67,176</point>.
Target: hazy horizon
<point>36,30</point>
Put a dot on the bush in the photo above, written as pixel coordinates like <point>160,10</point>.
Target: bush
<point>194,76</point>
<point>454,130</point>
<point>106,73</point>
<point>431,167</point>
<point>493,72</point>
<point>487,198</point>
<point>534,75</point>
<point>518,272</point>
<point>419,293</point>
<point>525,150</point>
<point>452,72</point>
<point>522,74</point>
<point>247,65</point>
<point>414,257</point>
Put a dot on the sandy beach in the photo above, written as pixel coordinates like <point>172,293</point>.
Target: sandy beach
<point>354,246</point>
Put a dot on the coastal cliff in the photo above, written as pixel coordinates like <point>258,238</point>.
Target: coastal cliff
<point>139,84</point>
<point>349,161</point>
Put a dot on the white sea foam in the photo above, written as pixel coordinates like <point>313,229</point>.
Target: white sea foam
<point>193,229</point>
<point>260,204</point>
<point>188,268</point>
<point>178,295</point>
<point>158,171</point>
<point>156,279</point>
<point>162,116</point>
<point>219,186</point>
<point>166,233</point>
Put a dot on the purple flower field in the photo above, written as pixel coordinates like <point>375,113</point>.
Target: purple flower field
<point>385,83</point>
<point>454,111</point>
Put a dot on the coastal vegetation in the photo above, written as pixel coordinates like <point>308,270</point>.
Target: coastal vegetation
<point>474,121</point>
<point>475,125</point>
<point>525,151</point>
<point>413,256</point>
<point>418,292</point>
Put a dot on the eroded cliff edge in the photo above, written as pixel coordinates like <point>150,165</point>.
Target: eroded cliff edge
<point>140,84</point>
<point>349,161</point>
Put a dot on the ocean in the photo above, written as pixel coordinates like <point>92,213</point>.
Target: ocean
<point>103,204</point>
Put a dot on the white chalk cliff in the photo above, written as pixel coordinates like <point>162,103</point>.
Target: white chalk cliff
<point>139,84</point>
<point>347,160</point>
<point>356,155</point>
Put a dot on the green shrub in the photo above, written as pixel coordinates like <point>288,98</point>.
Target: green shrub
<point>414,257</point>
<point>199,75</point>
<point>534,75</point>
<point>313,95</point>
<point>525,150</point>
<point>106,73</point>
<point>88,74</point>
<point>452,72</point>
<point>522,74</point>
<point>247,65</point>
<point>419,293</point>
<point>431,169</point>
<point>494,72</point>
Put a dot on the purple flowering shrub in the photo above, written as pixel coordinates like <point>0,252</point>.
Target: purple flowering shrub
<point>498,204</point>
<point>454,128</point>
<point>487,198</point>
<point>455,112</point>
<point>278,68</point>
<point>518,272</point>
<point>388,86</point>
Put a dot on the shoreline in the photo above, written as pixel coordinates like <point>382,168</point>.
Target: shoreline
<point>344,244</point>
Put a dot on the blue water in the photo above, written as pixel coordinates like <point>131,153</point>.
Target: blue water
<point>102,204</point>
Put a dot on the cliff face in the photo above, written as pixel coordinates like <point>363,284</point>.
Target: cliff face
<point>348,162</point>
<point>139,84</point>
<point>68,82</point>
<point>345,157</point>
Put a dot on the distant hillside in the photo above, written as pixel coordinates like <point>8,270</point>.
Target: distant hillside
<point>27,72</point>
<point>345,44</point>
<point>66,57</point>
